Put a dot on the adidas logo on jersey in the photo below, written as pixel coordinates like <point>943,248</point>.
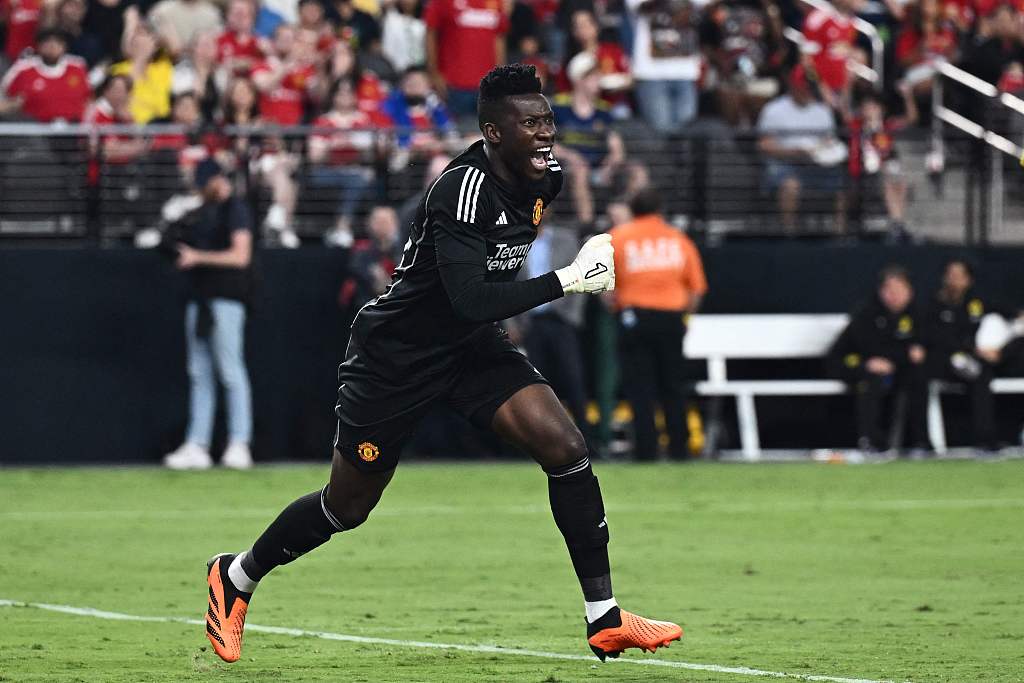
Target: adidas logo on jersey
<point>502,219</point>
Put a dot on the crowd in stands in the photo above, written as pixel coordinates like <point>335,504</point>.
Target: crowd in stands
<point>231,68</point>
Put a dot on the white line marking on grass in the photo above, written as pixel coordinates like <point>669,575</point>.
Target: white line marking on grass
<point>696,506</point>
<point>486,649</point>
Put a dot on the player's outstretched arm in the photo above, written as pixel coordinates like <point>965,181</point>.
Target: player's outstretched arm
<point>462,256</point>
<point>593,271</point>
<point>462,263</point>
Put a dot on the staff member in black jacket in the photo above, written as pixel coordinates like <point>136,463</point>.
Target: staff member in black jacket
<point>953,321</point>
<point>216,252</point>
<point>880,352</point>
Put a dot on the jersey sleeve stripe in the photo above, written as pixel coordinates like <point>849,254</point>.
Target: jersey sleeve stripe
<point>462,194</point>
<point>477,175</point>
<point>476,196</point>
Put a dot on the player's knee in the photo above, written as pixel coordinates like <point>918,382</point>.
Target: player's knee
<point>570,447</point>
<point>349,512</point>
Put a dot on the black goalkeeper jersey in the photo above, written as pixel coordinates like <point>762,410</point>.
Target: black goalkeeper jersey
<point>470,236</point>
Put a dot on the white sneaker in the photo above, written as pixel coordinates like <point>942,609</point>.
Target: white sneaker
<point>289,240</point>
<point>277,218</point>
<point>339,236</point>
<point>237,456</point>
<point>189,456</point>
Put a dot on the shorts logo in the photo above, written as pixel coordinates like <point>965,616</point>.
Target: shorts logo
<point>538,211</point>
<point>367,451</point>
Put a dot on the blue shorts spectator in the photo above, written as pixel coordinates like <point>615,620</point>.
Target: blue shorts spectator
<point>821,180</point>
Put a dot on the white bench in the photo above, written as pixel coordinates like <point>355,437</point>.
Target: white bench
<point>719,338</point>
<point>936,423</point>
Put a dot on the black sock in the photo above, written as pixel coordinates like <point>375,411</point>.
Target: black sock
<point>302,526</point>
<point>578,510</point>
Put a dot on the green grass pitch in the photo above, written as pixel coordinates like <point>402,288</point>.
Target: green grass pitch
<point>904,571</point>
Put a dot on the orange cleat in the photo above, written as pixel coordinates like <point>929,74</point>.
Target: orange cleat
<point>225,614</point>
<point>619,629</point>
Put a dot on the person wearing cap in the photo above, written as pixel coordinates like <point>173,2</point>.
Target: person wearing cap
<point>216,253</point>
<point>592,152</point>
<point>798,140</point>
<point>49,85</point>
<point>659,280</point>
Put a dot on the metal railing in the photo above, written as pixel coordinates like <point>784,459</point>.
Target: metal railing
<point>986,204</point>
<point>60,182</point>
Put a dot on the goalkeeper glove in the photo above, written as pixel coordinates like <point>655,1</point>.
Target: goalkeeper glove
<point>593,271</point>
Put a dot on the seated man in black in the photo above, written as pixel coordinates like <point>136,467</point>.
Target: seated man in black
<point>880,352</point>
<point>952,329</point>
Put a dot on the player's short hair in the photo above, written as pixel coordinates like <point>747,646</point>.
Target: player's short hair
<point>502,82</point>
<point>646,202</point>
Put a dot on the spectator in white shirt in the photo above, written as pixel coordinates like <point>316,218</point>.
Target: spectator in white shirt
<point>802,154</point>
<point>666,61</point>
<point>404,34</point>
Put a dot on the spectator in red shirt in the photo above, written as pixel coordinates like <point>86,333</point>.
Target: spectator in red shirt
<point>48,86</point>
<point>465,40</point>
<point>287,79</point>
<point>239,49</point>
<point>111,109</point>
<point>343,63</point>
<point>259,158</point>
<point>342,150</point>
<point>874,162</point>
<point>926,37</point>
<point>612,62</point>
<point>372,260</point>
<point>21,18</point>
<point>831,35</point>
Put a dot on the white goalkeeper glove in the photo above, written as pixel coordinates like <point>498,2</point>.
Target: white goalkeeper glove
<point>593,271</point>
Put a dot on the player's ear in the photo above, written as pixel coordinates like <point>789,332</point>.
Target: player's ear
<point>492,133</point>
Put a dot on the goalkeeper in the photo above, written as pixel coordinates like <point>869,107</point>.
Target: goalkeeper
<point>432,336</point>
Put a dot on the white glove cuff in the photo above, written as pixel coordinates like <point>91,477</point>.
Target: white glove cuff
<point>571,277</point>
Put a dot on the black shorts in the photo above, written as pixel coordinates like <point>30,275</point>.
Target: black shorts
<point>377,415</point>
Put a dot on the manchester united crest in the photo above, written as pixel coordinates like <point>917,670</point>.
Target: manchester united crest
<point>538,211</point>
<point>368,452</point>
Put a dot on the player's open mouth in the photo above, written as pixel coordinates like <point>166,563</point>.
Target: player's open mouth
<point>539,158</point>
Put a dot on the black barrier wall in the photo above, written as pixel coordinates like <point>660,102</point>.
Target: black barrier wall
<point>92,353</point>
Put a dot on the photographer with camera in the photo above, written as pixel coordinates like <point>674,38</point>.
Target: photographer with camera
<point>215,250</point>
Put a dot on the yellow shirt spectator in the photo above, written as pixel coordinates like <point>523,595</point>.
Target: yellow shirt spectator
<point>151,94</point>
